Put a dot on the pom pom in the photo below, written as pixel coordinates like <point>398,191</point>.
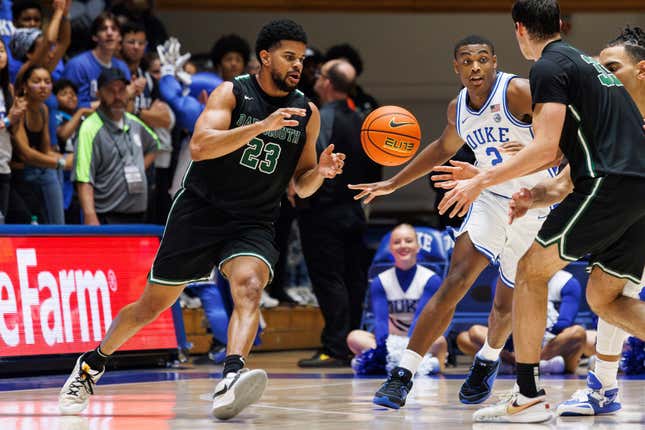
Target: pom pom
<point>395,347</point>
<point>429,365</point>
<point>633,360</point>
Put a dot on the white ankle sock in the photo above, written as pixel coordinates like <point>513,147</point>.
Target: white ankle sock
<point>489,353</point>
<point>410,360</point>
<point>606,372</point>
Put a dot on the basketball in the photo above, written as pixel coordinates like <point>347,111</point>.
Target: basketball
<point>390,135</point>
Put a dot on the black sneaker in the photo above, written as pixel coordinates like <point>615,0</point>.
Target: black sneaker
<point>479,383</point>
<point>393,392</point>
<point>321,359</point>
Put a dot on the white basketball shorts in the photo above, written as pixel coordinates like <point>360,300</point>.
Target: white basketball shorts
<point>489,231</point>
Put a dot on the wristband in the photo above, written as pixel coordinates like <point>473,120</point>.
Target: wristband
<point>6,122</point>
<point>61,163</point>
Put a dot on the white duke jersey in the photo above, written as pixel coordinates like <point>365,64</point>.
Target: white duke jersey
<point>402,304</point>
<point>486,130</point>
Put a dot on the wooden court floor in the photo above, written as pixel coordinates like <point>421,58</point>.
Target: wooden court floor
<point>313,400</point>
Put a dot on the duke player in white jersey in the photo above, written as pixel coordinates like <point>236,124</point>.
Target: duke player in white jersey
<point>492,110</point>
<point>398,295</point>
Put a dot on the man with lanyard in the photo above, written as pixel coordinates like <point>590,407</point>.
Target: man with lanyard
<point>114,150</point>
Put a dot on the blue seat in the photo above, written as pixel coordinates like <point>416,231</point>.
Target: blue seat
<point>433,253</point>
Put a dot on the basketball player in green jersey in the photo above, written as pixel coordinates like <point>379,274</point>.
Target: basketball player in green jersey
<point>255,134</point>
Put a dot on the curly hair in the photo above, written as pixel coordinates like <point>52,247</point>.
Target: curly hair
<point>273,32</point>
<point>348,52</point>
<point>230,43</point>
<point>633,39</point>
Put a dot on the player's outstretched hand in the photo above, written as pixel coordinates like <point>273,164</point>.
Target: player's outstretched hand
<point>282,118</point>
<point>457,171</point>
<point>519,204</point>
<point>372,190</point>
<point>331,163</point>
<point>460,197</point>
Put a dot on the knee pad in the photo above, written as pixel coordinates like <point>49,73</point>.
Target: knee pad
<point>610,338</point>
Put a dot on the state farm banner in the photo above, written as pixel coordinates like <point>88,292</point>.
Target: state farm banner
<point>59,295</point>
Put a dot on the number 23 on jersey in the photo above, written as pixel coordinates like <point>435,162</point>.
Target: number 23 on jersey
<point>261,156</point>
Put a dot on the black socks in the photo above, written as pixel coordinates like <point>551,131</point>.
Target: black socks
<point>96,359</point>
<point>528,378</point>
<point>232,363</point>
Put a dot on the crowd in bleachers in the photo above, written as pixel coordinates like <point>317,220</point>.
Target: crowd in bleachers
<point>52,56</point>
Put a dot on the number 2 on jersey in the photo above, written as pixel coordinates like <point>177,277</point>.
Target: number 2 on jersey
<point>256,149</point>
<point>494,152</point>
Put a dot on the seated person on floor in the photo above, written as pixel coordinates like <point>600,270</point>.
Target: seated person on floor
<point>563,341</point>
<point>398,296</point>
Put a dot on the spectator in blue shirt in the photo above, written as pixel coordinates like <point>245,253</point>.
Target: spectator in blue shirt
<point>84,69</point>
<point>68,119</point>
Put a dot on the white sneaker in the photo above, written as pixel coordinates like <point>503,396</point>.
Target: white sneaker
<point>516,409</point>
<point>236,391</point>
<point>554,366</point>
<point>267,302</point>
<point>75,394</point>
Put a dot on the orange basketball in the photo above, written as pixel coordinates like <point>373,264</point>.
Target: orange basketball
<point>390,135</point>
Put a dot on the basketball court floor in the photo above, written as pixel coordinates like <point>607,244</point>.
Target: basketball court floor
<point>165,399</point>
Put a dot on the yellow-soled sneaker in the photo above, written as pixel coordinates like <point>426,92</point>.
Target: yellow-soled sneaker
<point>75,394</point>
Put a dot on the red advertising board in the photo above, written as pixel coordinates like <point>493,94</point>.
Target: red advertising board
<point>59,295</point>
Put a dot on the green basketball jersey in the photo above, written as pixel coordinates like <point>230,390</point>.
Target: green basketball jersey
<point>250,181</point>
